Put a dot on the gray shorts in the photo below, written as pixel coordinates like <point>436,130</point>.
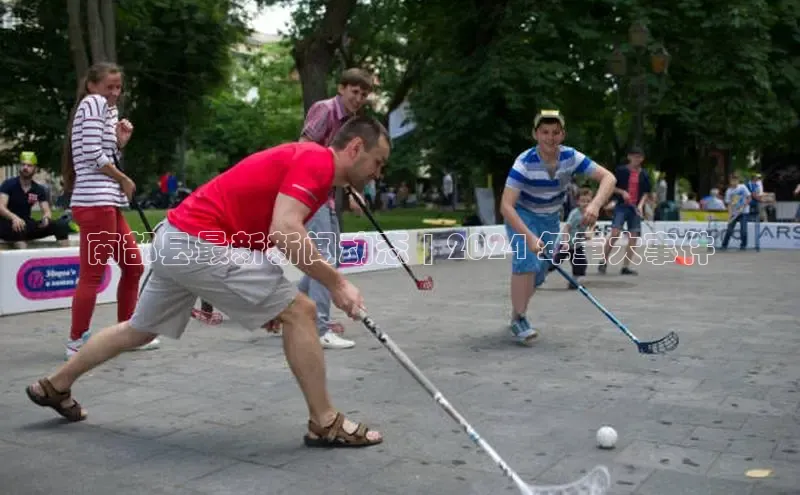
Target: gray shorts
<point>246,285</point>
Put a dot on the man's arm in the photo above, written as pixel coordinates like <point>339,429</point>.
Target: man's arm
<point>47,213</point>
<point>4,211</point>
<point>291,237</point>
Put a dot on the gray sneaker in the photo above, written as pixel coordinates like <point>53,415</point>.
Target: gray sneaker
<point>523,331</point>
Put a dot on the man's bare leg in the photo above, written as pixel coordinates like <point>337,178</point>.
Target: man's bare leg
<point>307,362</point>
<point>102,346</point>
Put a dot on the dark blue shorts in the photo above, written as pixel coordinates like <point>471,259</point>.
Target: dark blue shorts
<point>627,215</point>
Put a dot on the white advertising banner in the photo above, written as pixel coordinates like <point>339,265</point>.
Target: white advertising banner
<point>45,279</point>
<point>42,279</point>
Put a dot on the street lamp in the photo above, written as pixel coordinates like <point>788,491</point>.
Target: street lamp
<point>639,39</point>
<point>659,61</point>
<point>638,34</point>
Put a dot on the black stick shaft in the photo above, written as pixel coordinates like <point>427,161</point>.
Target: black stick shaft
<point>380,231</point>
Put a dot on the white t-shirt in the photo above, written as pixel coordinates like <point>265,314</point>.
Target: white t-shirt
<point>736,197</point>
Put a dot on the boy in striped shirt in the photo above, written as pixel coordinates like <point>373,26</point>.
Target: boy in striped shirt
<point>531,205</point>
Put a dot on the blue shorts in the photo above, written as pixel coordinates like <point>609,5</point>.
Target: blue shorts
<point>545,226</point>
<point>627,214</point>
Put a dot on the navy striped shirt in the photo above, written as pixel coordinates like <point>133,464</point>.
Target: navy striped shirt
<point>94,143</point>
<point>539,192</point>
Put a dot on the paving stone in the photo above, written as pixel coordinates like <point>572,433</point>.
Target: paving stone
<point>663,456</point>
<point>683,484</point>
<point>219,412</point>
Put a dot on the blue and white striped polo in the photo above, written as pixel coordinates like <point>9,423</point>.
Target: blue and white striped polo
<point>539,192</point>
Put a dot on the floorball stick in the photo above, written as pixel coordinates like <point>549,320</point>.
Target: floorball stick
<point>597,482</point>
<point>660,346</point>
<point>424,284</point>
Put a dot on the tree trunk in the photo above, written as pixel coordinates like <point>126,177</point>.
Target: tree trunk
<point>314,55</point>
<point>95,25</point>
<point>313,64</point>
<point>75,34</point>
<point>108,17</point>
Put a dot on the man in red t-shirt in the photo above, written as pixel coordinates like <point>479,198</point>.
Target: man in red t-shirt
<point>214,246</point>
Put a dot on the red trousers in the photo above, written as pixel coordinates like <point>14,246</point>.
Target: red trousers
<point>104,234</point>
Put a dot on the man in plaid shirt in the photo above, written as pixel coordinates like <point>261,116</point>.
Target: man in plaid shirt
<point>323,121</point>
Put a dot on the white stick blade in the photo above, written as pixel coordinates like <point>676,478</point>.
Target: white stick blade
<point>597,482</point>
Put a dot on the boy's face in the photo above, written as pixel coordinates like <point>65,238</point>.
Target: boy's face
<point>635,159</point>
<point>549,136</point>
<point>584,201</point>
<point>734,181</point>
<point>353,97</point>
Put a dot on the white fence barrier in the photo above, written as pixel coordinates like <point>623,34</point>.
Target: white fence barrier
<point>44,279</point>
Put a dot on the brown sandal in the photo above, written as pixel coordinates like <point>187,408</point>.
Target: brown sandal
<point>53,398</point>
<point>334,435</point>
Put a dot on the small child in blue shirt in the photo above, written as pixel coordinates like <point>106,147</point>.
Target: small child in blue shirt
<point>575,236</point>
<point>531,204</point>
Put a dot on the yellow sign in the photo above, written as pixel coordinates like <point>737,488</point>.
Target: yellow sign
<point>703,215</point>
<point>447,222</point>
<point>758,473</point>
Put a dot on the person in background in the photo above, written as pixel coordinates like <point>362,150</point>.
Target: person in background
<point>163,188</point>
<point>691,202</point>
<point>756,188</point>
<point>797,213</point>
<point>370,194</point>
<point>323,121</point>
<point>633,188</point>
<point>99,191</point>
<point>574,237</point>
<point>448,189</point>
<point>738,198</point>
<point>17,197</point>
<point>713,202</point>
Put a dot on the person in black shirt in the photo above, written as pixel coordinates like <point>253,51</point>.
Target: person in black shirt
<point>17,197</point>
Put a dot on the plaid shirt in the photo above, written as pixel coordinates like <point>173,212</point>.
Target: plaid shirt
<point>323,121</point>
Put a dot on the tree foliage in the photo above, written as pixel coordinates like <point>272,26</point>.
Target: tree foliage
<point>173,53</point>
<point>261,107</point>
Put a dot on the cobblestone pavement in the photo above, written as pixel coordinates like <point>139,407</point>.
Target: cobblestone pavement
<point>218,412</point>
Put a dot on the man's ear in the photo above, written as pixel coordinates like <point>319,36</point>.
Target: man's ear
<point>355,147</point>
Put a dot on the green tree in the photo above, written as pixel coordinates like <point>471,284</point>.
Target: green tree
<point>173,52</point>
<point>261,107</point>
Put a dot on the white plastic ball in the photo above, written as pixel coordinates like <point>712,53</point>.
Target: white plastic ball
<point>606,437</point>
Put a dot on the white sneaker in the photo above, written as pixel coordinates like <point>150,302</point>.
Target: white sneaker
<point>153,344</point>
<point>332,341</point>
<point>73,346</point>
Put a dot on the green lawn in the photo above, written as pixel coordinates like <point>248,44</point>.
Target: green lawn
<point>397,219</point>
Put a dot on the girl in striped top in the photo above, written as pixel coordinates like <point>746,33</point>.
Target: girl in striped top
<point>99,190</point>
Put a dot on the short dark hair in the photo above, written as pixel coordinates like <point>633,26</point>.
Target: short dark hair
<point>365,127</point>
<point>585,191</point>
<point>356,77</point>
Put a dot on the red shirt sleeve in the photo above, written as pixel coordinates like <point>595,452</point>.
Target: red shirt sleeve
<point>310,178</point>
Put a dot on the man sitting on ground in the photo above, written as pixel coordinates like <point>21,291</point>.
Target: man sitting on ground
<point>17,197</point>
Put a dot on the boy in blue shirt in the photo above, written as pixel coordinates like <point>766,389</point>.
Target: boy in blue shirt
<point>531,205</point>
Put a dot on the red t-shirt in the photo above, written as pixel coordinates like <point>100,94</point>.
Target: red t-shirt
<point>235,208</point>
